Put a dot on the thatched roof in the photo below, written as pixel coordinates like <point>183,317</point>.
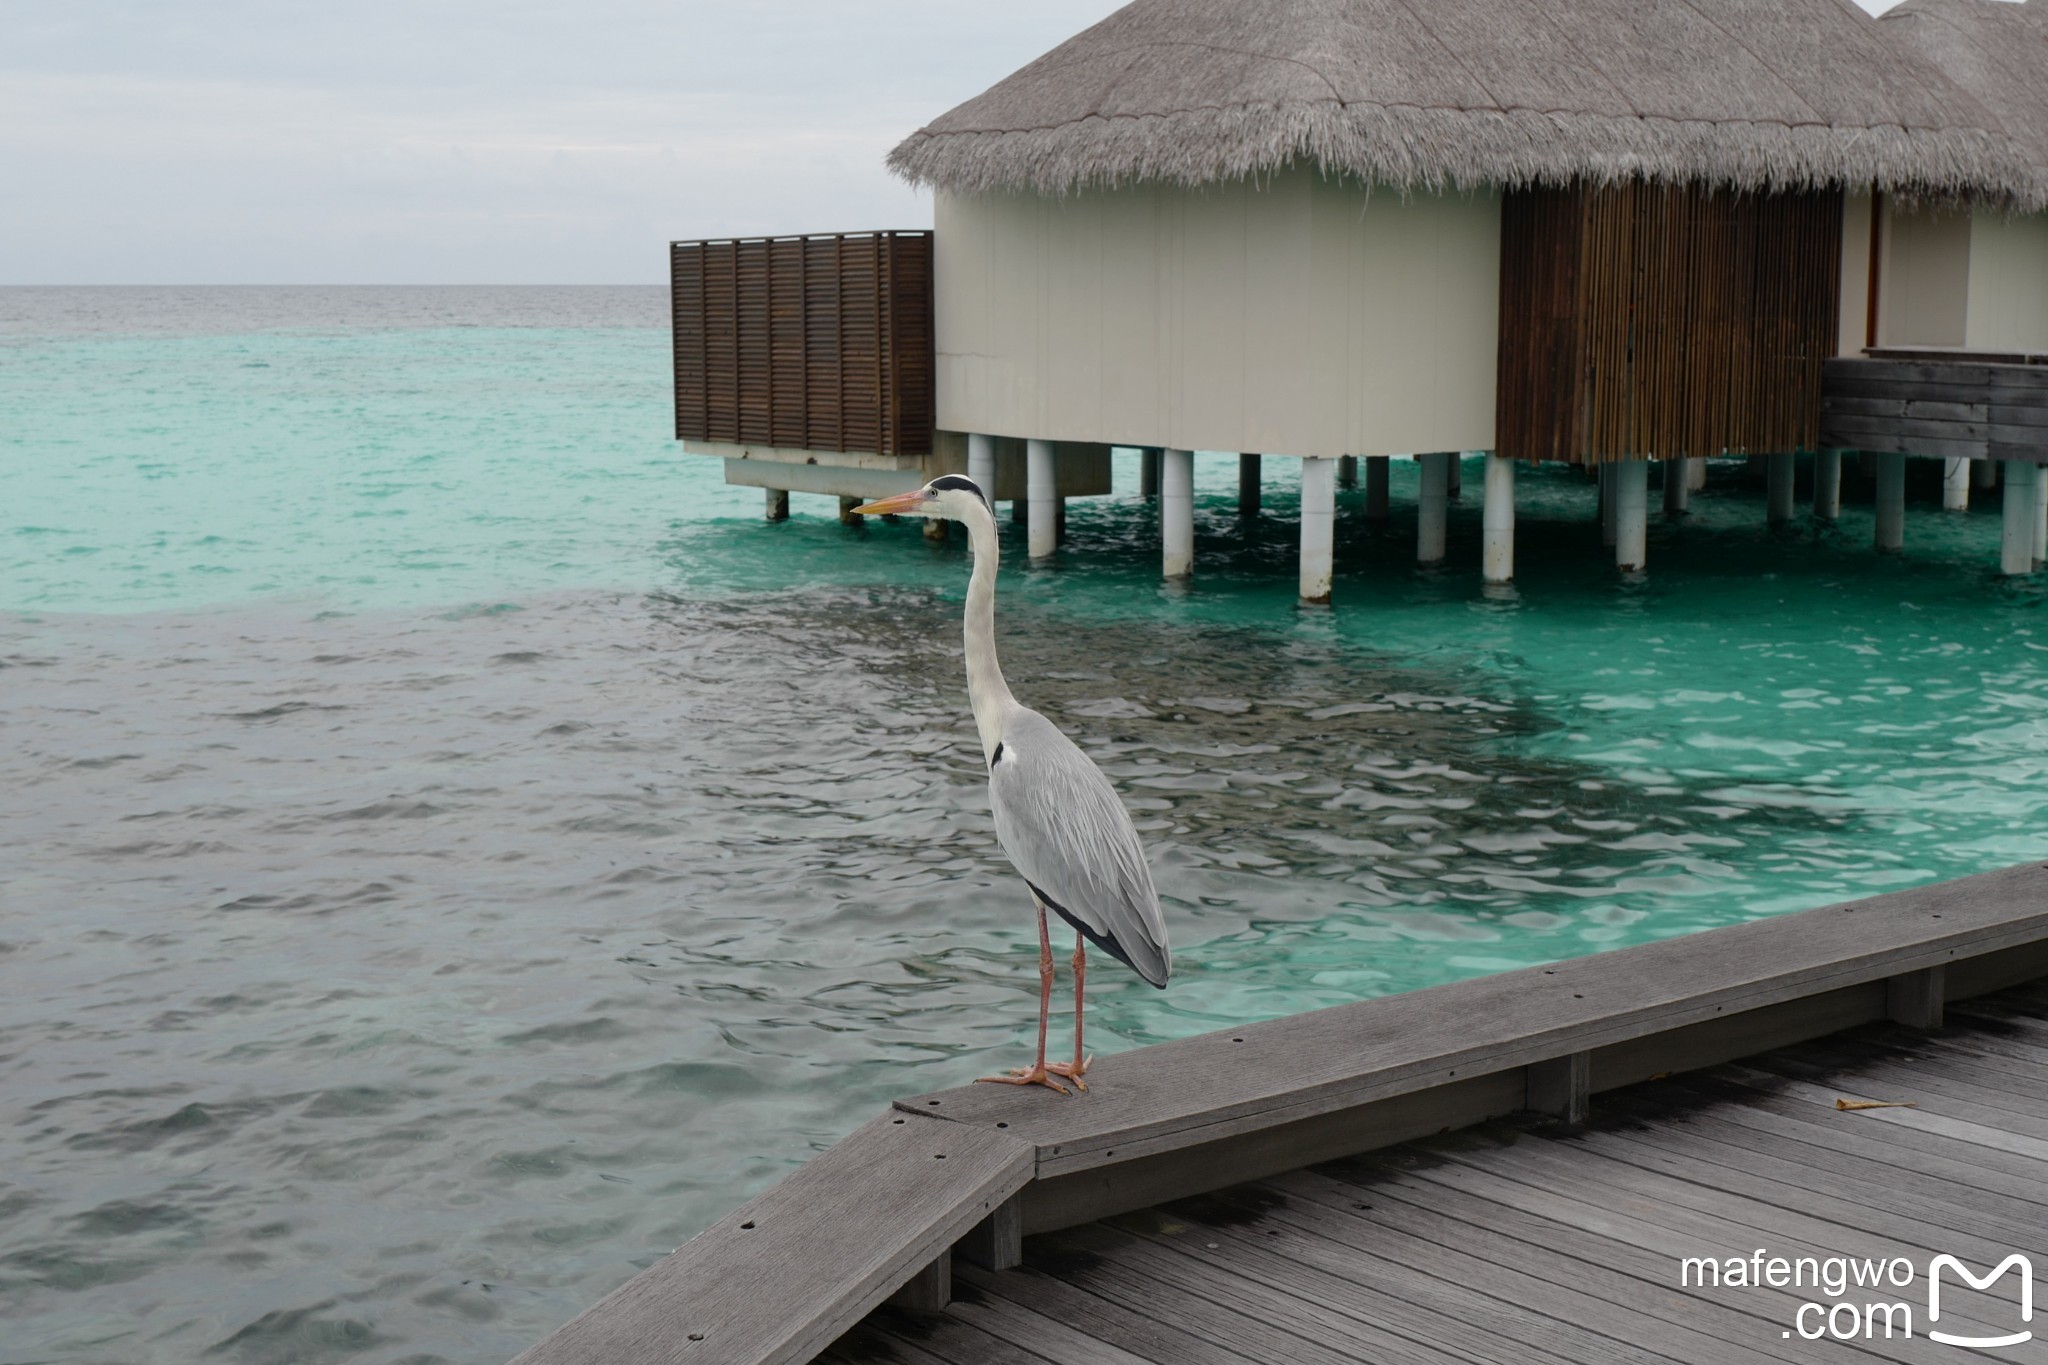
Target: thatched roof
<point>1429,93</point>
<point>1995,50</point>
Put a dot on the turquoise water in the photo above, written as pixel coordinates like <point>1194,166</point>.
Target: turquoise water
<point>457,849</point>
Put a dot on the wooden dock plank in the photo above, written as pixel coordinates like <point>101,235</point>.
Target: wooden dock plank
<point>1261,1323</point>
<point>1714,1222</point>
<point>1060,1343</point>
<point>1942,1125</point>
<point>1197,1090</point>
<point>1104,1319</point>
<point>1933,1167</point>
<point>1549,1317</point>
<point>1529,1262</point>
<point>1358,1284</point>
<point>783,1276</point>
<point>1655,1249</point>
<point>1899,1084</point>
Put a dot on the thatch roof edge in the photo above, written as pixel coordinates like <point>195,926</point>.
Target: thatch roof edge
<point>1436,149</point>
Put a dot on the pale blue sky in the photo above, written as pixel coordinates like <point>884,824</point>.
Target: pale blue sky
<point>467,141</point>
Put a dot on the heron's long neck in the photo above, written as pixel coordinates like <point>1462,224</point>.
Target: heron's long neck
<point>987,693</point>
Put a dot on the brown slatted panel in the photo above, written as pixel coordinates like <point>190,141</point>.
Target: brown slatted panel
<point>821,343</point>
<point>1656,320</point>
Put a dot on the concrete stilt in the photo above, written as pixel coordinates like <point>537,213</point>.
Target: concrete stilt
<point>1378,473</point>
<point>1677,493</point>
<point>1434,509</point>
<point>1955,484</point>
<point>1778,477</point>
<point>1891,502</point>
<point>1827,484</point>
<point>981,463</point>
<point>1041,490</point>
<point>1983,475</point>
<point>1347,471</point>
<point>2016,538</point>
<point>1498,521</point>
<point>1696,473</point>
<point>847,516</point>
<point>1631,488</point>
<point>1177,513</point>
<point>1248,471</point>
<point>1607,502</point>
<point>2040,515</point>
<point>778,504</point>
<point>1455,484</point>
<point>1148,472</point>
<point>1318,527</point>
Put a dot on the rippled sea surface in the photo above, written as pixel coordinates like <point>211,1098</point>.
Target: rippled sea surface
<point>454,850</point>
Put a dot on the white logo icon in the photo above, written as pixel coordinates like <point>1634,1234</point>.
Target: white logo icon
<point>2026,1269</point>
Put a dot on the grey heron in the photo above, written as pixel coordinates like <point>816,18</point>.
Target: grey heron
<point>1057,817</point>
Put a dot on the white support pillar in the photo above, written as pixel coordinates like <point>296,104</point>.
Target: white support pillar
<point>1955,484</point>
<point>1318,527</point>
<point>778,504</point>
<point>1628,484</point>
<point>1433,509</point>
<point>1677,489</point>
<point>2016,539</point>
<point>1631,513</point>
<point>1779,475</point>
<point>1891,502</point>
<point>1248,471</point>
<point>1177,513</point>
<point>1148,472</point>
<point>1827,484</point>
<point>1696,474</point>
<point>1041,490</point>
<point>1347,471</point>
<point>1607,501</point>
<point>2040,515</point>
<point>1498,521</point>
<point>1378,474</point>
<point>981,463</point>
<point>1983,475</point>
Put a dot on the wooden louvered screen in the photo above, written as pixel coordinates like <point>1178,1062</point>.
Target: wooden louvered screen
<point>813,343</point>
<point>1664,320</point>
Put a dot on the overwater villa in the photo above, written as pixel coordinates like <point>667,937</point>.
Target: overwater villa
<point>1968,283</point>
<point>1604,235</point>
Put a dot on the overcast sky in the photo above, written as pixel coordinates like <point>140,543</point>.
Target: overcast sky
<point>468,141</point>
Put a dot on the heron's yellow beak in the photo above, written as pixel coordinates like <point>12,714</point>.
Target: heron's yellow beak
<point>901,505</point>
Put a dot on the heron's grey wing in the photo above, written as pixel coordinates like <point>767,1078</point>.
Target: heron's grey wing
<point>1062,825</point>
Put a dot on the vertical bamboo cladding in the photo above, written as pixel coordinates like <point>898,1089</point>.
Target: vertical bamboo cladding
<point>809,343</point>
<point>1664,321</point>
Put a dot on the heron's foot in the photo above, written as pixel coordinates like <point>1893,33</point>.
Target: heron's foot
<point>1073,1071</point>
<point>1029,1075</point>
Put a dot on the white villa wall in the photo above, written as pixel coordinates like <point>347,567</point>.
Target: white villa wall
<point>2008,294</point>
<point>1296,316</point>
<point>1923,290</point>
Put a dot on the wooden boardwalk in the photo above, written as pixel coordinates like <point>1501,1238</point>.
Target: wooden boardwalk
<point>1539,1242</point>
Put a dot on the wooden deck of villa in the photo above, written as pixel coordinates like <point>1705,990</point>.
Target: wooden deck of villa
<point>1555,1245</point>
<point>1513,1168</point>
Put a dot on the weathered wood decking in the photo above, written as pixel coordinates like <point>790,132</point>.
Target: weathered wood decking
<point>1561,1246</point>
<point>935,1200</point>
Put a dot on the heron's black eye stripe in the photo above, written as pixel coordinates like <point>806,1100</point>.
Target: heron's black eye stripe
<point>964,484</point>
<point>997,756</point>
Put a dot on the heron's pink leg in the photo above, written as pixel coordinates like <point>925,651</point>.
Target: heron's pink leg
<point>1079,1068</point>
<point>1036,1073</point>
